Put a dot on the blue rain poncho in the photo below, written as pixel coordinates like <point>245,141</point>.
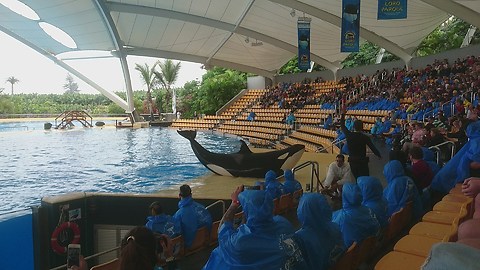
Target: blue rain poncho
<point>290,185</point>
<point>356,221</point>
<point>191,216</point>
<point>458,168</point>
<point>319,239</point>
<point>272,185</point>
<point>400,189</point>
<point>256,244</point>
<point>163,224</point>
<point>372,193</point>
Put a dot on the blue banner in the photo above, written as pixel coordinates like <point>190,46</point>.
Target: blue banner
<point>350,26</point>
<point>303,43</point>
<point>392,9</point>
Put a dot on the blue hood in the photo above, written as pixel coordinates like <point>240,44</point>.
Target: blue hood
<point>288,175</point>
<point>351,196</point>
<point>314,211</point>
<point>258,208</point>
<point>372,193</point>
<point>185,202</point>
<point>270,177</point>
<point>371,188</point>
<point>392,170</point>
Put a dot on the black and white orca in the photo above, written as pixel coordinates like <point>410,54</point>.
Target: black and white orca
<point>245,163</point>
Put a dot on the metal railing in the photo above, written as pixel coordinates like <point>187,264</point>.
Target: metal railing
<point>314,173</point>
<point>215,203</point>
<point>439,151</point>
<point>64,266</point>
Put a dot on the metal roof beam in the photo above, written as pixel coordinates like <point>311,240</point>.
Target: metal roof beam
<point>456,9</point>
<point>158,12</point>
<point>108,21</point>
<point>198,59</point>
<point>337,21</point>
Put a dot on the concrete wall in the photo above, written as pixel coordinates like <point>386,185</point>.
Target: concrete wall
<point>415,63</point>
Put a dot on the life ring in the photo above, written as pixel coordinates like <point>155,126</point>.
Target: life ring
<point>54,241</point>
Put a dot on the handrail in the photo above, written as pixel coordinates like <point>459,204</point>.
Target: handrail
<point>437,147</point>
<point>89,257</point>
<point>215,203</point>
<point>313,172</point>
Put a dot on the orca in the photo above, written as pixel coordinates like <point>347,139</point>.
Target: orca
<point>245,163</point>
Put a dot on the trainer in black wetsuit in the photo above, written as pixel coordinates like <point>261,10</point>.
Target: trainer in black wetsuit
<point>357,142</point>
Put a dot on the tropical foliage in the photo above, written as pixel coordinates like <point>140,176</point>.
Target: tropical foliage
<point>167,77</point>
<point>12,80</point>
<point>70,86</point>
<point>147,74</point>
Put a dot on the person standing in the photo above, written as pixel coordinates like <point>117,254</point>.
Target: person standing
<point>357,143</point>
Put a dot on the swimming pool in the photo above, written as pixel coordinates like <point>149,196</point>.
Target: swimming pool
<point>35,163</point>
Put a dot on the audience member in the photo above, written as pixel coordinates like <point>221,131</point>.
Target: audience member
<point>421,172</point>
<point>319,239</point>
<point>272,185</point>
<point>457,169</point>
<point>191,215</point>
<point>446,256</point>
<point>161,223</point>
<point>256,244</point>
<point>356,221</point>
<point>138,250</point>
<point>400,189</point>
<point>291,184</point>
<point>372,194</point>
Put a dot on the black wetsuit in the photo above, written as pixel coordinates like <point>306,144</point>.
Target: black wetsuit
<point>357,148</point>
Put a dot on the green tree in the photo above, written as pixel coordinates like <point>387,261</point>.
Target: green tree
<point>186,98</point>
<point>12,80</point>
<point>447,36</point>
<point>367,55</point>
<point>219,85</point>
<point>148,77</point>
<point>70,86</point>
<point>167,77</point>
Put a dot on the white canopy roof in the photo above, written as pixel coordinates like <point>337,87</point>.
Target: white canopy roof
<point>214,32</point>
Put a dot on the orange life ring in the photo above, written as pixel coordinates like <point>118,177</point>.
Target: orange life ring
<point>64,226</point>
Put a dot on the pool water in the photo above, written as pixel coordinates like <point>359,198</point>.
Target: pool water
<point>35,163</point>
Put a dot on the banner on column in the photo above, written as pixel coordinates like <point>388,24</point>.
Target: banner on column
<point>303,25</point>
<point>392,9</point>
<point>350,26</point>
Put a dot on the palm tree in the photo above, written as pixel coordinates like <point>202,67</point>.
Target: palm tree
<point>167,77</point>
<point>149,79</point>
<point>13,81</point>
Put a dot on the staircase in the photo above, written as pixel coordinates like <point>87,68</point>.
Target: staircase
<point>67,117</point>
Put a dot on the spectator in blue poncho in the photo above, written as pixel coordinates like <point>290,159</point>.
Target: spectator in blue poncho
<point>160,222</point>
<point>319,239</point>
<point>272,186</point>
<point>356,221</point>
<point>251,116</point>
<point>191,215</point>
<point>290,120</point>
<point>290,185</point>
<point>372,194</point>
<point>328,122</point>
<point>377,127</point>
<point>459,167</point>
<point>400,189</point>
<point>256,244</point>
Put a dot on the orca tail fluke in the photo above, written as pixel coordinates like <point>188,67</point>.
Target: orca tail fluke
<point>188,134</point>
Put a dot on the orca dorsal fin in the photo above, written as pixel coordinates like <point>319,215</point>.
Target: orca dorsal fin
<point>244,148</point>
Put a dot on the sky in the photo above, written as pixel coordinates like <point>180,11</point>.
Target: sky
<point>38,74</point>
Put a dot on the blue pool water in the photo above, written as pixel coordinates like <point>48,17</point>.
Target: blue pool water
<point>35,163</point>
